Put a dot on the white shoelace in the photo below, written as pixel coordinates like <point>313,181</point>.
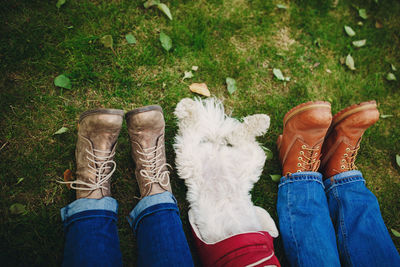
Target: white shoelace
<point>155,174</point>
<point>105,163</point>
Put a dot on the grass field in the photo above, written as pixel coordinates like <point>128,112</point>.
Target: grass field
<point>241,39</point>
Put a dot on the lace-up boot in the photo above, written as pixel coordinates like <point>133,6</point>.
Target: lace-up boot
<point>344,136</point>
<point>98,131</point>
<point>304,130</point>
<point>146,131</point>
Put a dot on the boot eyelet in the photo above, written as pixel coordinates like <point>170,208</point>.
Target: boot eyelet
<point>303,147</point>
<point>298,164</point>
<point>345,155</point>
<point>298,171</point>
<point>302,152</point>
<point>300,158</point>
<point>342,167</point>
<point>343,161</point>
<point>347,149</point>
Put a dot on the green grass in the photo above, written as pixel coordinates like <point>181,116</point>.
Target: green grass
<point>241,39</point>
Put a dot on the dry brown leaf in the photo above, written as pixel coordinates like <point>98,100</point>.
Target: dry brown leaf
<point>68,177</point>
<point>378,25</point>
<point>200,88</point>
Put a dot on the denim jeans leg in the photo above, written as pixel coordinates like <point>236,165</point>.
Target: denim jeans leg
<point>363,238</point>
<point>91,236</point>
<point>306,228</point>
<point>159,233</point>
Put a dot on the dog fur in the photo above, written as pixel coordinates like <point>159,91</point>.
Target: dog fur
<point>220,160</point>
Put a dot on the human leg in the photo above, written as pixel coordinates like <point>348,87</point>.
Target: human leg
<point>155,219</point>
<point>306,228</point>
<point>91,236</point>
<point>363,239</point>
<point>158,230</point>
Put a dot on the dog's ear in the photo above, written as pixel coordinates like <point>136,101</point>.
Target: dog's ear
<point>256,125</point>
<point>186,110</point>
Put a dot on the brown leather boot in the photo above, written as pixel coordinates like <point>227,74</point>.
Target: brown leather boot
<point>304,129</point>
<point>344,136</point>
<point>146,131</point>
<point>98,131</point>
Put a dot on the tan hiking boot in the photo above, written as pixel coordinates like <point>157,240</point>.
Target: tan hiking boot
<point>304,130</point>
<point>98,131</point>
<point>146,131</point>
<point>343,139</point>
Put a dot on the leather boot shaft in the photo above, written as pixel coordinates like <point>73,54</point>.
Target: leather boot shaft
<point>343,139</point>
<point>304,130</point>
<point>98,132</point>
<point>146,131</point>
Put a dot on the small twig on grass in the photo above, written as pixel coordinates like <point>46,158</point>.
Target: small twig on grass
<point>6,143</point>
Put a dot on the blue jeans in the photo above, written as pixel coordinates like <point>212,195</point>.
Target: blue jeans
<point>91,235</point>
<point>325,223</point>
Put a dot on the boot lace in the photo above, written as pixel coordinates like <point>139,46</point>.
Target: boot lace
<point>102,174</point>
<point>154,174</point>
<point>347,162</point>
<point>308,159</point>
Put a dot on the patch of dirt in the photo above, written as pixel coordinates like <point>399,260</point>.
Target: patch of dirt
<point>282,39</point>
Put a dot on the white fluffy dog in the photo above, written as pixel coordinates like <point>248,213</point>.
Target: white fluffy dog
<point>220,160</point>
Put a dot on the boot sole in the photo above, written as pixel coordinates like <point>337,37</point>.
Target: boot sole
<point>119,112</point>
<point>303,107</point>
<point>344,113</point>
<point>143,109</point>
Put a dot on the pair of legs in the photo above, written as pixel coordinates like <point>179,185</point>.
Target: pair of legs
<point>327,216</point>
<point>91,235</point>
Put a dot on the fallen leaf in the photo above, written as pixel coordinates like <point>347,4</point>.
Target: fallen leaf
<point>350,62</point>
<point>281,6</point>
<point>231,85</point>
<point>391,77</point>
<point>200,88</point>
<point>195,68</point>
<point>328,71</point>
<point>275,177</point>
<point>395,233</point>
<point>359,43</point>
<point>278,74</point>
<point>107,41</point>
<point>342,60</point>
<point>20,180</point>
<point>166,42</point>
<point>360,23</point>
<point>385,116</point>
<point>18,209</point>
<point>68,177</point>
<point>393,67</point>
<point>62,130</point>
<point>164,8</point>
<point>398,160</point>
<point>63,82</point>
<point>350,32</point>
<point>316,64</point>
<point>378,25</point>
<point>60,3</point>
<point>151,3</point>
<point>130,38</point>
<point>267,152</point>
<point>188,75</point>
<point>362,13</point>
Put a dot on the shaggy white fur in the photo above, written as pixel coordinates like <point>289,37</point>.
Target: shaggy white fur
<point>220,160</point>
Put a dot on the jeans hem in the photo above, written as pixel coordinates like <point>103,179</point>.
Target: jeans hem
<point>301,177</point>
<point>343,178</point>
